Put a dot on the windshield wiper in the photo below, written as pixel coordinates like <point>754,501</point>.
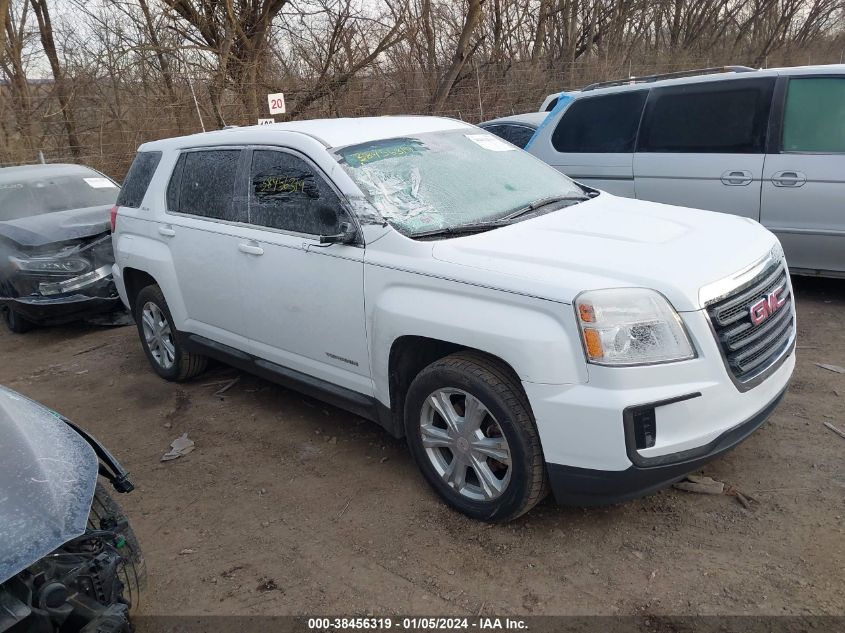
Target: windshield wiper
<point>537,204</point>
<point>460,229</point>
<point>477,227</point>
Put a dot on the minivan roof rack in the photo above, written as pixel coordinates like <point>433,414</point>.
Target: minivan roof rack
<point>674,75</point>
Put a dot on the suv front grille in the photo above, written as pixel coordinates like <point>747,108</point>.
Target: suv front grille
<point>750,348</point>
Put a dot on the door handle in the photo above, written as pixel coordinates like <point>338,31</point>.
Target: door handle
<point>167,231</point>
<point>250,249</point>
<point>788,179</point>
<point>737,177</point>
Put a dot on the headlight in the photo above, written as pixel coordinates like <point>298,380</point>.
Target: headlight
<point>630,326</point>
<point>50,265</point>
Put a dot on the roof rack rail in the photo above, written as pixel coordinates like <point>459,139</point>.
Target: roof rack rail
<point>674,75</point>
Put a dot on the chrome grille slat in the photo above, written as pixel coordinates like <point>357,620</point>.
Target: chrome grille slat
<point>731,309</point>
<point>732,342</point>
<point>748,348</point>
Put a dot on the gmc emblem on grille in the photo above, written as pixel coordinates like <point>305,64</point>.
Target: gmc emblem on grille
<point>766,306</point>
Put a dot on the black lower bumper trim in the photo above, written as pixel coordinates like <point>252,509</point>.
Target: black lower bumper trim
<point>58,311</point>
<point>584,486</point>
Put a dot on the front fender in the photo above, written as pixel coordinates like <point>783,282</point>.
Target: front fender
<point>535,337</point>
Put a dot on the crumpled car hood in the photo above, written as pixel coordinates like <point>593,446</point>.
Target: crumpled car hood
<point>616,242</point>
<point>47,479</point>
<point>61,226</point>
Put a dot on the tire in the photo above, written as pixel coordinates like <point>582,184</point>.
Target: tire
<point>16,323</point>
<point>469,379</point>
<point>165,352</point>
<point>105,512</point>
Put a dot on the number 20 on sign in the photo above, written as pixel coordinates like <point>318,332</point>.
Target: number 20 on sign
<point>277,103</point>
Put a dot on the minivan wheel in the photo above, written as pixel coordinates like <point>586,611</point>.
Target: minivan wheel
<point>471,432</point>
<point>16,323</point>
<point>160,339</point>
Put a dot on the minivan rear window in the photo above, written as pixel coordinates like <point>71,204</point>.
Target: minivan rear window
<point>727,117</point>
<point>138,179</point>
<point>814,120</point>
<point>601,124</point>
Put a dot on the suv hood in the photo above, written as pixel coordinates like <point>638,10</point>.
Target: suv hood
<point>610,242</point>
<point>60,226</point>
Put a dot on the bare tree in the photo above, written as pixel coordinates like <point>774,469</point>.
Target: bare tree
<point>45,28</point>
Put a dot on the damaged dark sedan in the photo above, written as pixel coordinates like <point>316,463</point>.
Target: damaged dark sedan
<point>55,246</point>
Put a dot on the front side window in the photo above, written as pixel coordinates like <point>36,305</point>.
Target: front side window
<point>727,117</point>
<point>437,180</point>
<point>603,124</point>
<point>814,119</point>
<point>207,185</point>
<point>286,193</point>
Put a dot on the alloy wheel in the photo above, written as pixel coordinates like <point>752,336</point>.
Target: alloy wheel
<point>158,335</point>
<point>465,444</point>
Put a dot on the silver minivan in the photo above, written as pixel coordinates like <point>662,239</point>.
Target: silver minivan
<point>765,144</point>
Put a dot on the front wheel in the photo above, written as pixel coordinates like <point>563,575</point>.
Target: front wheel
<point>471,432</point>
<point>106,514</point>
<point>16,323</point>
<point>160,340</point>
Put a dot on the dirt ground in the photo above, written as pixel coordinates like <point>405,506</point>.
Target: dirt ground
<point>289,506</point>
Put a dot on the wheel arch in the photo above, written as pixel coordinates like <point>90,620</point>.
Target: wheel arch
<point>409,355</point>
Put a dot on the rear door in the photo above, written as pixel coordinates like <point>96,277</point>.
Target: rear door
<point>804,175</point>
<point>702,145</point>
<point>593,141</point>
<point>200,229</point>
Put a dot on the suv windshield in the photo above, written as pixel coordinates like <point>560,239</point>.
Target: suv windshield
<point>49,194</point>
<point>443,180</point>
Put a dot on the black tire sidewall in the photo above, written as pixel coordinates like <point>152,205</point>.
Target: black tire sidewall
<point>153,294</point>
<point>513,499</point>
<point>15,322</point>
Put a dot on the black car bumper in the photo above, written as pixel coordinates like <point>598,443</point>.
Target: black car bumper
<point>586,487</point>
<point>57,310</point>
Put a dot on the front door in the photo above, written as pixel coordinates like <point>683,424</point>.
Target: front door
<point>701,145</point>
<point>303,301</point>
<point>804,182</point>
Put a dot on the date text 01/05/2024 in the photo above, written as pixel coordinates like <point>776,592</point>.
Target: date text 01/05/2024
<point>416,623</point>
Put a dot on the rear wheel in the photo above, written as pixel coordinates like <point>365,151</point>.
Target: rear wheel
<point>107,514</point>
<point>472,434</point>
<point>160,339</point>
<point>16,323</point>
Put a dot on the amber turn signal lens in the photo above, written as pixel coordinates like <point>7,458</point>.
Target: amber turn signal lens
<point>593,343</point>
<point>586,312</point>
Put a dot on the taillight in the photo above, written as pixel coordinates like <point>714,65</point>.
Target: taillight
<point>113,218</point>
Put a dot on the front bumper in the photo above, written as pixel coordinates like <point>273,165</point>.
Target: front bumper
<point>57,310</point>
<point>584,487</point>
<point>585,429</point>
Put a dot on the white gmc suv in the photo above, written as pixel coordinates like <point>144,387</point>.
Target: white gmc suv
<point>521,331</point>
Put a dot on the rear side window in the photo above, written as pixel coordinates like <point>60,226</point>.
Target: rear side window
<point>814,120</point>
<point>604,124</point>
<point>207,185</point>
<point>286,193</point>
<point>728,117</point>
<point>138,179</point>
<point>519,135</point>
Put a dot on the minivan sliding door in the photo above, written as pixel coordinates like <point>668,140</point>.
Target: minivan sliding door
<point>804,176</point>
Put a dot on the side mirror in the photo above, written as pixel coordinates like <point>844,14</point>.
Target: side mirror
<point>347,235</point>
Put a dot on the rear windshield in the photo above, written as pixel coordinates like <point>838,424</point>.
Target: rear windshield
<point>49,194</point>
<point>138,179</point>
